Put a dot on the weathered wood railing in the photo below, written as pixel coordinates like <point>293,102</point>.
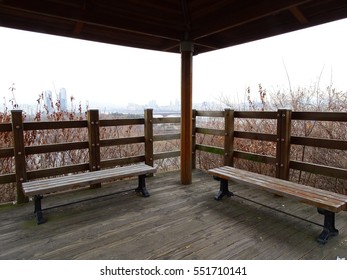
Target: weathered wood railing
<point>325,170</point>
<point>281,139</point>
<point>93,125</point>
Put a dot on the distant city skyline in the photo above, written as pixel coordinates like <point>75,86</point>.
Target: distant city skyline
<point>51,102</point>
<point>109,76</point>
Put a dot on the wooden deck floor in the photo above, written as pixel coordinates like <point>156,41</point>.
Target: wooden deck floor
<point>175,222</point>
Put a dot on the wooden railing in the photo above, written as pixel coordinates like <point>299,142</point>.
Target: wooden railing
<point>93,125</point>
<point>229,134</point>
<point>280,138</point>
<point>340,173</point>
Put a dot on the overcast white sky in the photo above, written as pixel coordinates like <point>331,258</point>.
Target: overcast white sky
<point>109,76</point>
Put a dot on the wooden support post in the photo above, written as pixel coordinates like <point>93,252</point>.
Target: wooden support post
<point>19,153</point>
<point>94,142</point>
<point>194,139</point>
<point>148,114</point>
<point>229,137</point>
<point>187,49</point>
<point>283,143</point>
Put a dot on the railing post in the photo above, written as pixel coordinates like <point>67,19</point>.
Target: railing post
<point>284,117</point>
<point>228,137</point>
<point>94,142</point>
<point>148,114</point>
<point>19,153</point>
<point>194,139</point>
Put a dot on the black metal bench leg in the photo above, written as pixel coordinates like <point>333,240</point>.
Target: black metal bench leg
<point>329,226</point>
<point>224,189</point>
<point>38,209</point>
<point>142,186</point>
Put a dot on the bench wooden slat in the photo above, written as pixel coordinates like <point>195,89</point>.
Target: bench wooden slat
<point>88,178</point>
<point>300,192</point>
<point>70,179</point>
<point>320,198</point>
<point>299,188</point>
<point>131,171</point>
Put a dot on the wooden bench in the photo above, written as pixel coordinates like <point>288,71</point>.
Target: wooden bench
<point>328,203</point>
<point>38,188</point>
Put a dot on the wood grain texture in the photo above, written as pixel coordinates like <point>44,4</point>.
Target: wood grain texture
<point>320,198</point>
<point>83,179</point>
<point>175,222</point>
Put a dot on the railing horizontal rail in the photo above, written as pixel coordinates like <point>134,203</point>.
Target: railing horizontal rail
<point>320,116</point>
<point>122,141</point>
<point>121,161</point>
<point>5,127</point>
<point>8,178</point>
<point>210,149</point>
<point>319,169</point>
<point>56,171</point>
<point>121,122</point>
<point>7,152</point>
<point>215,114</point>
<point>51,148</point>
<point>166,120</point>
<point>319,143</point>
<point>255,157</point>
<point>255,115</point>
<point>54,125</point>
<point>164,155</point>
<point>255,136</point>
<point>166,137</point>
<point>210,131</point>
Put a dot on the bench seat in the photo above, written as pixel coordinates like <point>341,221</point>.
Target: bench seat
<point>38,188</point>
<point>328,203</point>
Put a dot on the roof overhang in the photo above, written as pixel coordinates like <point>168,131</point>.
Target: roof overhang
<point>162,25</point>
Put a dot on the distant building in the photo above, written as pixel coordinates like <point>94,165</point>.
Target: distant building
<point>63,99</point>
<point>153,104</point>
<point>49,101</point>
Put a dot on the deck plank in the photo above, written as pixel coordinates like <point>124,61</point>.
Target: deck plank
<point>175,222</point>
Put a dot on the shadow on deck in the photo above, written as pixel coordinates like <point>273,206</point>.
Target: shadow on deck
<point>175,222</point>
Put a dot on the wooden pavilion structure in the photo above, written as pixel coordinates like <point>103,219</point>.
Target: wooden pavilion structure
<point>188,27</point>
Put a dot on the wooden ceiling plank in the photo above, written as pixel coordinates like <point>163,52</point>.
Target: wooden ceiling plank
<point>297,13</point>
<point>59,11</point>
<point>209,7</point>
<point>228,20</point>
<point>78,28</point>
<point>187,19</point>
